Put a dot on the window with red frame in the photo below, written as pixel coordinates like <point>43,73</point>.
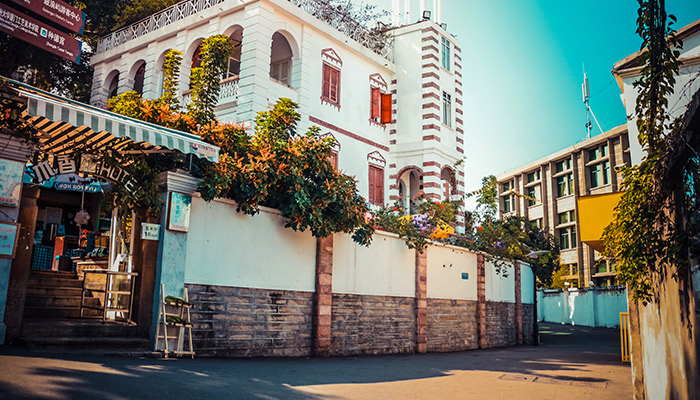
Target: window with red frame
<point>334,159</point>
<point>380,106</point>
<point>376,185</point>
<point>330,91</point>
<point>375,106</point>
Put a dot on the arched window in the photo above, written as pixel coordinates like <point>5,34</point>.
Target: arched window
<point>196,61</point>
<point>234,60</point>
<point>113,87</point>
<point>449,183</point>
<point>280,59</point>
<point>139,77</point>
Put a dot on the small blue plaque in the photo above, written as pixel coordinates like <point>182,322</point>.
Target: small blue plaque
<point>465,275</point>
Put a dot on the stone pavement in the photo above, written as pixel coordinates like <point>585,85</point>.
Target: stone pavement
<point>572,363</point>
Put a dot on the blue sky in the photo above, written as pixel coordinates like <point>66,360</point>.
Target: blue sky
<point>523,68</point>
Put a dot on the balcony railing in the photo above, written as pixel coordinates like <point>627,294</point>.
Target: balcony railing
<point>321,9</point>
<point>229,91</point>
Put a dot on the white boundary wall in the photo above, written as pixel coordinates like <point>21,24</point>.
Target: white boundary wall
<point>227,248</point>
<point>446,264</point>
<point>500,287</point>
<point>527,284</point>
<point>385,268</point>
<point>595,307</point>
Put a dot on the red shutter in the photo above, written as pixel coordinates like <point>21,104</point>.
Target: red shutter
<point>380,186</point>
<point>372,188</point>
<point>374,111</point>
<point>376,185</point>
<point>326,88</point>
<point>386,109</point>
<point>335,85</point>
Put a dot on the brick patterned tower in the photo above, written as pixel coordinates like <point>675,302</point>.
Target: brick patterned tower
<point>427,141</point>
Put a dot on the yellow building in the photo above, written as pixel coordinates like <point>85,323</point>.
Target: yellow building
<point>564,189</point>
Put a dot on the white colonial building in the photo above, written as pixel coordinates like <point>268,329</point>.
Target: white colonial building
<point>393,105</point>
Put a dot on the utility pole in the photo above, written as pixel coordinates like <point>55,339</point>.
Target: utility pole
<point>589,113</point>
<point>586,94</point>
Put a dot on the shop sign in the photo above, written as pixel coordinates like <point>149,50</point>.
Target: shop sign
<point>204,150</point>
<point>11,175</point>
<point>39,34</point>
<point>77,187</point>
<point>179,212</point>
<point>89,165</point>
<point>150,231</point>
<point>57,11</point>
<point>64,164</point>
<point>9,234</point>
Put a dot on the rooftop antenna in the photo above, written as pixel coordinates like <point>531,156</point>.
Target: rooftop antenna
<point>589,112</point>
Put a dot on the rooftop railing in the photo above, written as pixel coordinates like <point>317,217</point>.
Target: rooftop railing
<point>340,20</point>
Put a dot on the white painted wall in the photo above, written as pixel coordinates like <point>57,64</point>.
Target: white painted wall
<point>595,307</point>
<point>445,267</point>
<point>233,249</point>
<point>500,287</point>
<point>385,268</point>
<point>527,284</point>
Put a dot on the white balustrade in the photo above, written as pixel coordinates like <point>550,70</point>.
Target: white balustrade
<point>338,19</point>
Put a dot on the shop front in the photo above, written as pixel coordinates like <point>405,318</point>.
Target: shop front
<point>86,245</point>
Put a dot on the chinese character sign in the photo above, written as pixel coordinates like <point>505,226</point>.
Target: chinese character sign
<point>57,11</point>
<point>39,34</point>
<point>9,233</point>
<point>150,231</point>
<point>43,171</point>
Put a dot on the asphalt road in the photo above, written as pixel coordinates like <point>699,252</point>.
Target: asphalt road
<point>572,363</point>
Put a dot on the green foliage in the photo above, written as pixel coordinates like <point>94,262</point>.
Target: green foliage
<point>11,121</point>
<point>129,104</point>
<point>487,197</point>
<point>558,278</point>
<point>278,168</point>
<point>143,170</point>
<point>171,78</point>
<point>515,238</point>
<point>205,79</point>
<point>432,221</point>
<point>643,236</point>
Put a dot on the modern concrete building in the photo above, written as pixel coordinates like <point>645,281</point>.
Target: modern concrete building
<point>546,192</point>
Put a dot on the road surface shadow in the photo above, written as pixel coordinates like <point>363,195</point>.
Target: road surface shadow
<point>565,352</point>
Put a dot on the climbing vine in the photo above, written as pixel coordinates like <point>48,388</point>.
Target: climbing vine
<point>645,236</point>
<point>215,51</point>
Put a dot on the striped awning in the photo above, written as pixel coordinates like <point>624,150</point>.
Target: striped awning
<point>69,124</point>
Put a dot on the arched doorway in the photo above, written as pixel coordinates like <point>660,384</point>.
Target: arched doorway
<point>281,59</point>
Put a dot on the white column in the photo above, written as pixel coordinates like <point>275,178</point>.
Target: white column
<point>422,8</point>
<point>152,75</point>
<point>395,12</point>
